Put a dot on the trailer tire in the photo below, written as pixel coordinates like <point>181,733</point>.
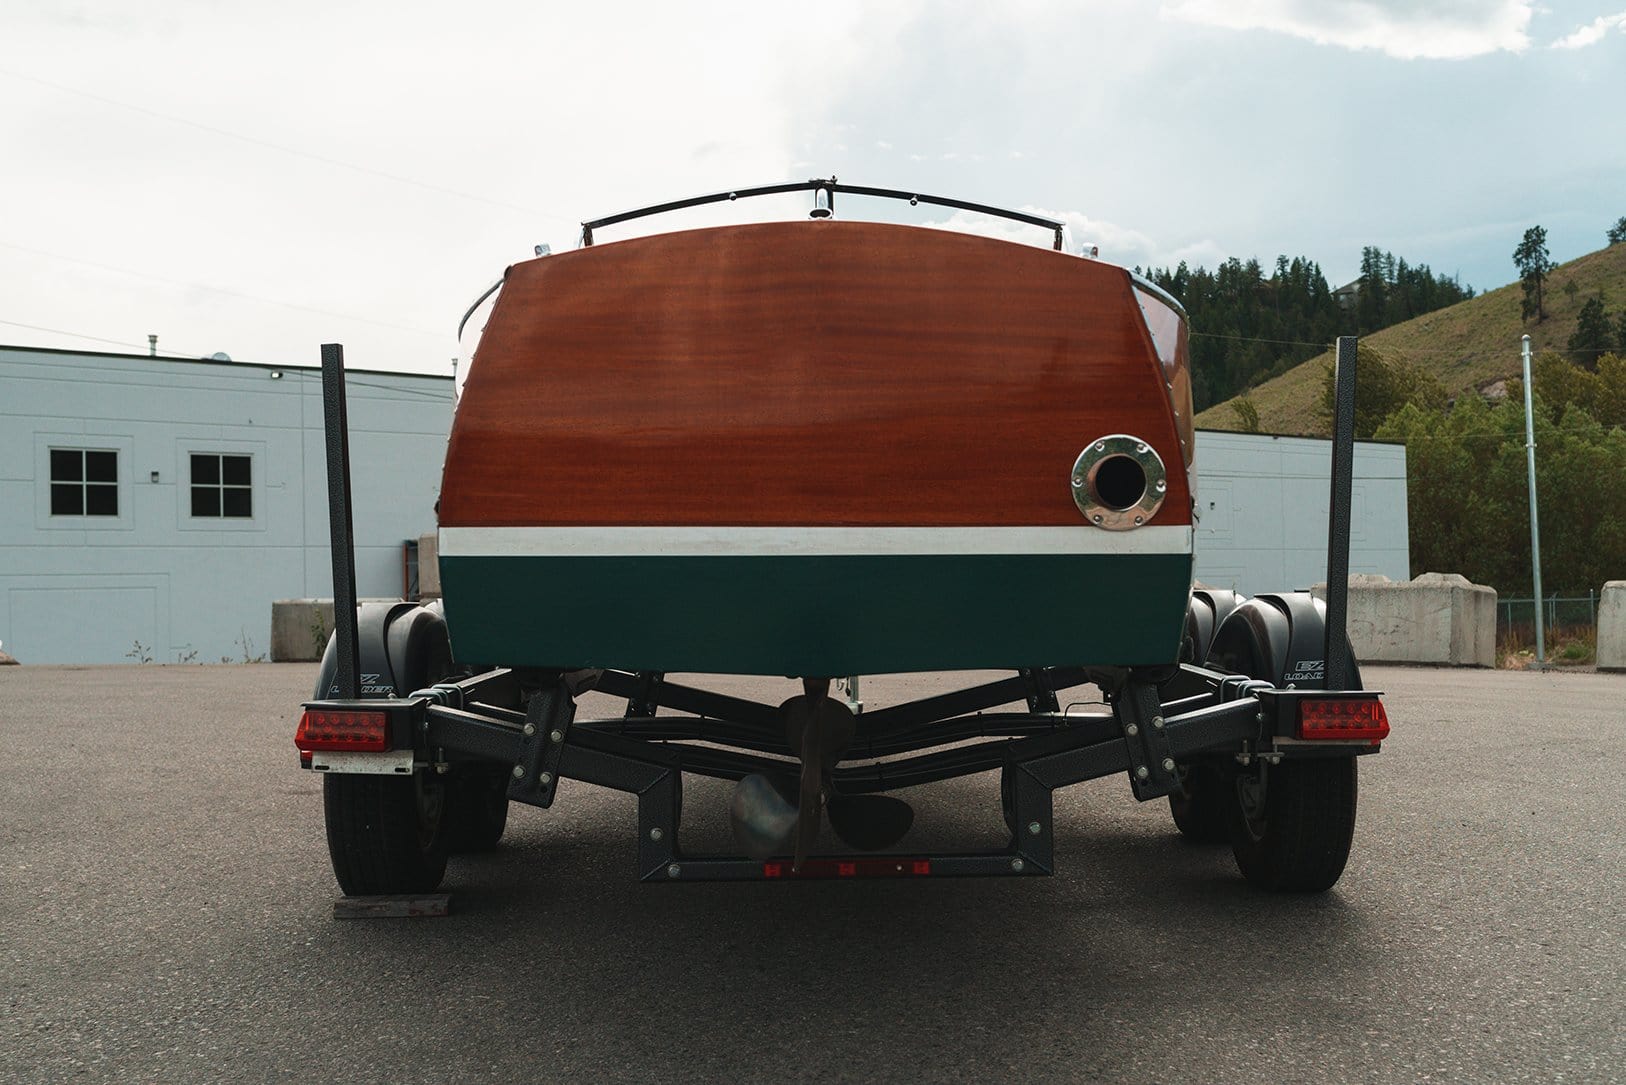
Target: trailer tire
<point>1200,807</point>
<point>1291,824</point>
<point>386,834</point>
<point>477,807</point>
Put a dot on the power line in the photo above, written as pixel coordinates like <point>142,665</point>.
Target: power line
<point>1510,439</point>
<point>1386,350</point>
<point>71,335</point>
<point>1253,339</point>
<point>144,349</point>
<point>255,140</point>
<point>303,370</point>
<point>217,290</point>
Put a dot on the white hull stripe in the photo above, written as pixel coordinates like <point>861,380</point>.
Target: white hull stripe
<point>639,542</point>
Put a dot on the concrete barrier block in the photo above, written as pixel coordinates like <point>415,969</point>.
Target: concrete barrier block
<point>429,566</point>
<point>1437,618</point>
<point>1612,627</point>
<point>299,629</point>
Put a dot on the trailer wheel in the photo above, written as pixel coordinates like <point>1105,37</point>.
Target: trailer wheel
<point>1200,807</point>
<point>477,807</point>
<point>1291,823</point>
<point>386,834</point>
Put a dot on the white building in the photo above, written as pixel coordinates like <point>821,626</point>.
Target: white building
<point>1262,507</point>
<point>155,508</point>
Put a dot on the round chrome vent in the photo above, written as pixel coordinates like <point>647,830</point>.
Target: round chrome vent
<point>1119,482</point>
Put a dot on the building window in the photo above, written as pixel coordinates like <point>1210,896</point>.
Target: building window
<point>84,482</point>
<point>222,486</point>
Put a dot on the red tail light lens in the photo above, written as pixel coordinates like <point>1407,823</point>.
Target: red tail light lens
<point>1343,719</point>
<point>331,729</point>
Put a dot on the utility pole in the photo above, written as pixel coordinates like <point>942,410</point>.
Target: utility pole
<point>1535,528</point>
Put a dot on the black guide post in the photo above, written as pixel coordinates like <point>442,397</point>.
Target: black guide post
<point>341,530</point>
<point>535,775</point>
<point>1338,516</point>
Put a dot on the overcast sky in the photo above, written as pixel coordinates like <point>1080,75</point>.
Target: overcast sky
<point>260,179</point>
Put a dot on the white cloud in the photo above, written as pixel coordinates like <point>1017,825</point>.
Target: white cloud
<point>1400,28</point>
<point>1117,244</point>
<point>1592,33</point>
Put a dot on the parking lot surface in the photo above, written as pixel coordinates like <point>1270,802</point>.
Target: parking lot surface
<point>166,915</point>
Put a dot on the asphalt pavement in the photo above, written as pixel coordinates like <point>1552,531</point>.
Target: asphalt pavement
<point>166,914</point>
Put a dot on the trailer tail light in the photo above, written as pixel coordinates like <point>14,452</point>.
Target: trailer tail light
<point>334,729</point>
<point>1343,719</point>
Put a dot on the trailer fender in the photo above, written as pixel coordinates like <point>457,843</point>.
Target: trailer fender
<point>1279,638</point>
<point>403,647</point>
<point>1208,608</point>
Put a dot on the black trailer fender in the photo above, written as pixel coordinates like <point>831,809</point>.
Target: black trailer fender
<point>403,647</point>
<point>1280,638</point>
<point>1207,610</point>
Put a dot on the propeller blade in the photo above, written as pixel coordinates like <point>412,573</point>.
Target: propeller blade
<point>811,797</point>
<point>869,822</point>
<point>762,818</point>
<point>818,730</point>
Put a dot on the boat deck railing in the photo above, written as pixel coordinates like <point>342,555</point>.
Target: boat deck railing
<point>824,203</point>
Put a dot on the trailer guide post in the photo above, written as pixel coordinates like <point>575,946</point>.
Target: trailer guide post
<point>341,530</point>
<point>1338,515</point>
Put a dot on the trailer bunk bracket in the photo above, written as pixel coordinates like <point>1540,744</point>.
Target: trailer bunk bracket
<point>542,740</point>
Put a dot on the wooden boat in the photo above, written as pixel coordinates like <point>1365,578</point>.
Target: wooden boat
<point>821,447</point>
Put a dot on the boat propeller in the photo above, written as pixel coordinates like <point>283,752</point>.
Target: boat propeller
<point>766,820</point>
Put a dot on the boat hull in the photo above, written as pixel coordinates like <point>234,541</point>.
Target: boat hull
<point>810,448</point>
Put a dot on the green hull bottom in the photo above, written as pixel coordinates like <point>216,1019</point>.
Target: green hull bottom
<point>817,615</point>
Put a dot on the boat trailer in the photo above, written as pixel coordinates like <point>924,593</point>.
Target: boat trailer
<point>1253,735</point>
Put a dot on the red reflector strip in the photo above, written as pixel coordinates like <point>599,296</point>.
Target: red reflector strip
<point>850,868</point>
<point>1343,719</point>
<point>330,729</point>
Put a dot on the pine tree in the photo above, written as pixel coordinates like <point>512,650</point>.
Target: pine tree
<point>1533,263</point>
<point>1593,336</point>
<point>1247,327</point>
<point>1617,232</point>
<point>1247,415</point>
<point>1372,304</point>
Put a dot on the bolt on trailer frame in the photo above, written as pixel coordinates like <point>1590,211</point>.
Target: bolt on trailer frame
<point>1159,719</point>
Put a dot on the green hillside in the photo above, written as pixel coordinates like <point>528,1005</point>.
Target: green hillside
<point>1467,346</point>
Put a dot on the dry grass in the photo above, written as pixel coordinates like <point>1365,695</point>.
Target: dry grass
<point>1467,346</point>
<point>1567,646</point>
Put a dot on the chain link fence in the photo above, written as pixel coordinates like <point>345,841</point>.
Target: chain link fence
<point>1575,615</point>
